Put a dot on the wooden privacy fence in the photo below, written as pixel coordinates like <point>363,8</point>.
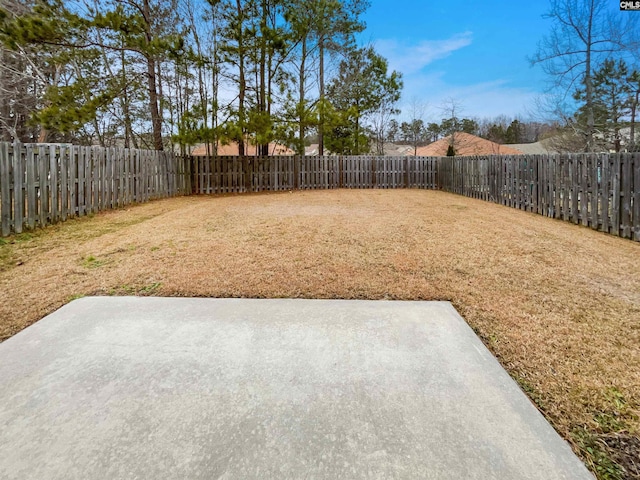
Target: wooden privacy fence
<point>255,174</point>
<point>41,184</point>
<point>600,191</point>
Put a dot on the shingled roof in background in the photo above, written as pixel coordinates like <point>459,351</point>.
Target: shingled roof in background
<point>466,144</point>
<point>250,150</point>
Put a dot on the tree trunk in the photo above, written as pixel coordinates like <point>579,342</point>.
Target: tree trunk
<point>5,108</point>
<point>263,148</point>
<point>241,95</point>
<point>156,120</point>
<point>589,86</point>
<point>270,75</point>
<point>241,80</point>
<point>301,99</point>
<point>202,91</point>
<point>321,81</point>
<point>125,104</point>
<point>43,136</point>
<point>357,149</point>
<point>215,90</point>
<point>130,140</point>
<point>214,106</point>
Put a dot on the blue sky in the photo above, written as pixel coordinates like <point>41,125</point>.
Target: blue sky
<point>473,51</point>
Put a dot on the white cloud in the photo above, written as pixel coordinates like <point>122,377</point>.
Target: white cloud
<point>430,86</point>
<point>411,58</point>
<point>486,99</point>
<point>491,99</point>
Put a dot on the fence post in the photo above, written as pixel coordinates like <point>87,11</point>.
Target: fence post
<point>462,174</point>
<point>18,194</point>
<point>626,193</point>
<point>30,187</point>
<point>406,172</point>
<point>188,175</point>
<point>615,187</point>
<point>245,171</point>
<point>374,161</point>
<point>296,172</point>
<point>635,157</point>
<point>5,188</point>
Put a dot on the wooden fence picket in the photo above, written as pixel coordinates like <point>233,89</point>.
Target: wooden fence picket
<point>636,196</point>
<point>615,200</point>
<point>626,194</point>
<point>43,186</point>
<point>606,212</point>
<point>30,187</point>
<point>596,193</point>
<point>18,192</point>
<point>6,200</point>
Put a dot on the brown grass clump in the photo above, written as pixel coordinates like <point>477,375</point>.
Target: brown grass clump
<point>558,304</point>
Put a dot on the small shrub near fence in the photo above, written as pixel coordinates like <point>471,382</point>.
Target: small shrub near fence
<point>43,184</point>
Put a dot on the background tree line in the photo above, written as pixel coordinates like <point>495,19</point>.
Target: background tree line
<point>500,129</point>
<point>175,73</point>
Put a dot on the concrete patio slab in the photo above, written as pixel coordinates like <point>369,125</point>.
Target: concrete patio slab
<point>167,388</point>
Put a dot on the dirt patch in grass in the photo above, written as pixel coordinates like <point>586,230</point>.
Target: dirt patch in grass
<point>558,304</point>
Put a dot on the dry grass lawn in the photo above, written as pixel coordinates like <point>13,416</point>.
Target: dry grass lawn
<point>558,304</point>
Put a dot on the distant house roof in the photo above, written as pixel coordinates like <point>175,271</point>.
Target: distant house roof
<point>312,150</point>
<point>390,150</point>
<point>534,148</point>
<point>249,150</point>
<point>396,150</point>
<point>466,144</point>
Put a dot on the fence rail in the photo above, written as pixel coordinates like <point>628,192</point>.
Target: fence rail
<point>41,184</point>
<point>600,191</point>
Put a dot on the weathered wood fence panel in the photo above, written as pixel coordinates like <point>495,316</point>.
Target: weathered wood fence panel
<point>43,184</point>
<point>255,174</point>
<point>600,191</point>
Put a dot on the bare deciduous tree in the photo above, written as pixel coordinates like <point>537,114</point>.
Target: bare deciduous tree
<point>583,33</point>
<point>451,108</point>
